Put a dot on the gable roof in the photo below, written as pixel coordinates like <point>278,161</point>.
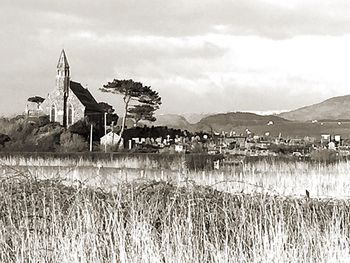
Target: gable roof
<point>85,97</point>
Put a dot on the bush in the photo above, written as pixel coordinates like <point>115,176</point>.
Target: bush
<point>82,128</point>
<point>288,149</point>
<point>110,148</point>
<point>3,139</point>
<point>197,147</point>
<point>71,142</point>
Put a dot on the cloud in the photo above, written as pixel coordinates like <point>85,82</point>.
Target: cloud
<point>266,18</point>
<point>201,56</point>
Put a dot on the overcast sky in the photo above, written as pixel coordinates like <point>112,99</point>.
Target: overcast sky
<point>201,56</point>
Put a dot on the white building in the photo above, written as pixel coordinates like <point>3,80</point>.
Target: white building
<point>110,139</point>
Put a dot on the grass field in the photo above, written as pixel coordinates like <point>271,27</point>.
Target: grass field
<point>254,213</point>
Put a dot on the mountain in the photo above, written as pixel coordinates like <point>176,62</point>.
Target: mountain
<point>228,121</point>
<point>172,121</point>
<point>332,109</point>
<point>257,124</point>
<point>195,117</point>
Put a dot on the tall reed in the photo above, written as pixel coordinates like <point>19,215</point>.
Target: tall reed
<point>157,221</point>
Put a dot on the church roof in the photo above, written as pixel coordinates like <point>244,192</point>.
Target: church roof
<point>63,61</point>
<point>85,97</point>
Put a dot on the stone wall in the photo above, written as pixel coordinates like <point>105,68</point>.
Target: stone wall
<point>56,98</point>
<point>78,107</point>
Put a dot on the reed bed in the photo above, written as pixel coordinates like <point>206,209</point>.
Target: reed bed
<point>159,221</point>
<point>278,177</point>
<point>253,212</point>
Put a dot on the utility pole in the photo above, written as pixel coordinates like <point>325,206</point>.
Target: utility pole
<point>91,127</point>
<point>112,132</point>
<point>105,123</point>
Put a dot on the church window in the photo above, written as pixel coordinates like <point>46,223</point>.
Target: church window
<point>53,113</point>
<point>70,116</point>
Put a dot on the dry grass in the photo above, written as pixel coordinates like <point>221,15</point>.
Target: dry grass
<point>254,213</point>
<point>48,221</point>
<point>273,177</point>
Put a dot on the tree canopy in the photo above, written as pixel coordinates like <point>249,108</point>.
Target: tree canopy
<point>106,107</point>
<point>111,116</point>
<point>141,112</point>
<point>37,99</point>
<point>140,101</point>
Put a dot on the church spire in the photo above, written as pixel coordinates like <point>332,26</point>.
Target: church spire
<point>63,73</point>
<point>63,62</point>
<point>63,82</point>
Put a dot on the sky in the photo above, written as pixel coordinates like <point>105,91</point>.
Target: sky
<point>201,56</point>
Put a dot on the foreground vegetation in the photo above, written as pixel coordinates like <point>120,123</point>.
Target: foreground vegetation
<point>284,177</point>
<point>157,221</point>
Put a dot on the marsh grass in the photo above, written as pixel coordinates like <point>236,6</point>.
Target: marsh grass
<point>284,178</point>
<point>158,221</point>
<point>258,212</point>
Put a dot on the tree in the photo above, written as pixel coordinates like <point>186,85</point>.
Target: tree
<point>82,128</point>
<point>111,116</point>
<point>71,142</point>
<point>38,100</point>
<point>141,112</point>
<point>106,107</point>
<point>137,97</point>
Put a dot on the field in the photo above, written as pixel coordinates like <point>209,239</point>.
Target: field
<point>55,210</point>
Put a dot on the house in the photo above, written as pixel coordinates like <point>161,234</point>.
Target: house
<point>325,139</point>
<point>110,139</point>
<point>236,141</point>
<point>69,101</point>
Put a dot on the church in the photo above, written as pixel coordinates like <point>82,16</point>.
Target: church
<point>69,102</point>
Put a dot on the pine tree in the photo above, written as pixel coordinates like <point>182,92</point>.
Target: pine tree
<point>140,102</point>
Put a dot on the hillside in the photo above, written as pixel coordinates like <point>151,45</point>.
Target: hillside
<point>228,121</point>
<point>172,121</point>
<point>332,109</point>
<point>193,118</point>
<point>257,124</point>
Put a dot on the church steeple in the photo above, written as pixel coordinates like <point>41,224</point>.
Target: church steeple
<point>63,62</point>
<point>63,73</point>
<point>63,82</point>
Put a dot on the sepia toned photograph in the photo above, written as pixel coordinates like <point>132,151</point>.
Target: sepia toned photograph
<point>159,131</point>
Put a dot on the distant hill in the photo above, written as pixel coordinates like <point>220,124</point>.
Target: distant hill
<point>195,117</point>
<point>172,121</point>
<point>257,124</point>
<point>218,122</point>
<point>337,108</point>
<point>228,121</point>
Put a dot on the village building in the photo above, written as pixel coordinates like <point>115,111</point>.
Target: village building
<point>111,139</point>
<point>69,102</point>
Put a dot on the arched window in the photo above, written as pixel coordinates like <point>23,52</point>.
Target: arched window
<point>70,116</point>
<point>53,113</point>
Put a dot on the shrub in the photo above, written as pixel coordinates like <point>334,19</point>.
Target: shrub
<point>197,147</point>
<point>71,142</point>
<point>82,128</point>
<point>3,139</point>
<point>110,148</point>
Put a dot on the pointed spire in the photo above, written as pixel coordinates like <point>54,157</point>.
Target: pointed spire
<point>63,62</point>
